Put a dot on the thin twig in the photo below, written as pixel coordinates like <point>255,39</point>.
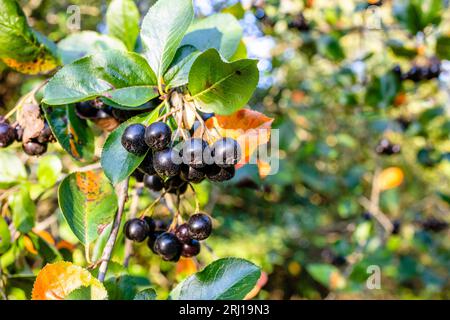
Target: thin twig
<point>134,206</point>
<point>122,192</point>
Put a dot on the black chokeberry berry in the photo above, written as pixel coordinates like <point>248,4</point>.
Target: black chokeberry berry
<point>226,152</point>
<point>138,175</point>
<point>434,225</point>
<point>167,162</point>
<point>182,233</point>
<point>46,135</point>
<point>34,148</point>
<point>136,230</point>
<point>385,147</point>
<point>168,246</point>
<point>7,134</point>
<point>396,227</point>
<point>153,182</point>
<point>200,226</point>
<point>86,110</point>
<point>146,165</point>
<point>196,153</point>
<point>218,174</point>
<point>151,224</point>
<point>190,174</point>
<point>414,74</point>
<point>133,139</point>
<point>175,185</point>
<point>158,135</point>
<point>161,225</point>
<point>152,238</point>
<point>190,249</point>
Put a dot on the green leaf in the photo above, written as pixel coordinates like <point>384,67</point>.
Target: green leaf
<point>5,236</point>
<point>122,19</point>
<point>443,47</point>
<point>224,279</point>
<point>382,91</point>
<point>123,77</point>
<point>117,162</point>
<point>70,50</point>
<point>163,29</point>
<point>21,48</point>
<point>222,87</point>
<point>400,50</point>
<point>12,170</point>
<point>88,202</point>
<point>237,10</point>
<point>124,287</point>
<point>72,132</point>
<point>178,73</point>
<point>220,31</point>
<point>241,52</point>
<point>83,293</point>
<point>147,294</point>
<point>23,209</point>
<point>48,171</point>
<point>330,47</point>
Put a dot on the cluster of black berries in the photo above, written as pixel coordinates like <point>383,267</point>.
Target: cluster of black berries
<point>173,168</point>
<point>35,147</point>
<point>419,73</point>
<point>97,110</point>
<point>387,148</point>
<point>171,245</point>
<point>434,225</point>
<point>299,23</point>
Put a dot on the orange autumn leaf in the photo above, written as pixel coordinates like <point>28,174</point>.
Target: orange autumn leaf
<point>261,283</point>
<point>29,245</point>
<point>46,236</point>
<point>56,281</point>
<point>400,99</point>
<point>390,178</point>
<point>186,267</point>
<point>263,168</point>
<point>63,244</point>
<point>250,128</point>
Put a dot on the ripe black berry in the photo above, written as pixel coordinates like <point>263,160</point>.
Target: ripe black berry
<point>182,233</point>
<point>396,227</point>
<point>152,238</point>
<point>434,225</point>
<point>190,174</point>
<point>7,134</point>
<point>151,224</point>
<point>176,185</point>
<point>158,135</point>
<point>218,174</point>
<point>161,225</point>
<point>153,182</point>
<point>196,153</point>
<point>133,139</point>
<point>385,147</point>
<point>414,74</point>
<point>164,162</point>
<point>34,148</point>
<point>46,135</point>
<point>190,249</point>
<point>138,175</point>
<point>200,226</point>
<point>86,110</point>
<point>226,152</point>
<point>168,246</point>
<point>136,230</point>
<point>146,165</point>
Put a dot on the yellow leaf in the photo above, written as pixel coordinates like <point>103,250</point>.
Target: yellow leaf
<point>42,64</point>
<point>185,267</point>
<point>390,178</point>
<point>57,280</point>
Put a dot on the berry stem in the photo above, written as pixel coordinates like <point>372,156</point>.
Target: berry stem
<point>122,191</point>
<point>151,207</point>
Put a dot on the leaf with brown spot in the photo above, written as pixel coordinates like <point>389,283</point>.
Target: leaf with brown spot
<point>88,202</point>
<point>56,281</point>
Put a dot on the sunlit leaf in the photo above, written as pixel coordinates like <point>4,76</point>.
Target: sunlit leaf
<point>57,281</point>
<point>390,178</point>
